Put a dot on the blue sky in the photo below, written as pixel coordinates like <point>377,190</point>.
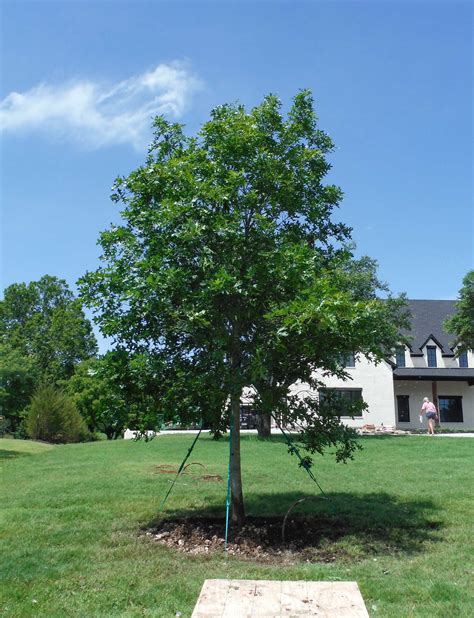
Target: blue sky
<point>393,87</point>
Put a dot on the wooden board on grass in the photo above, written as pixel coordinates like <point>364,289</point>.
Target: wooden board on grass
<point>253,598</point>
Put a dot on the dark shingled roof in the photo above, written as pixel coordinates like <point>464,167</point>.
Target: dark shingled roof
<point>430,373</point>
<point>427,321</point>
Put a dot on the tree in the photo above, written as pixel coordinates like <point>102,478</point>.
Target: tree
<point>230,271</point>
<point>461,324</point>
<point>44,322</point>
<point>357,321</point>
<point>53,417</point>
<point>97,398</point>
<point>115,391</point>
<point>358,278</point>
<point>18,378</point>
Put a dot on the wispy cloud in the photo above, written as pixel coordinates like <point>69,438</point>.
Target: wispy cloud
<point>96,115</point>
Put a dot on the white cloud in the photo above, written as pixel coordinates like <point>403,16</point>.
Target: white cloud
<point>96,115</point>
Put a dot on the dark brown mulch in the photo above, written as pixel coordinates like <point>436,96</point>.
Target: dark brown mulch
<point>306,538</point>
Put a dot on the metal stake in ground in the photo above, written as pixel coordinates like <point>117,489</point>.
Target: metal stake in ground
<point>227,502</point>
<point>181,467</point>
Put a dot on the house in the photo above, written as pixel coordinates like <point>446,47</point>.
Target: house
<point>394,389</point>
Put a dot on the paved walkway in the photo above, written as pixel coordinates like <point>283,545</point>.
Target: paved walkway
<point>130,434</point>
<point>171,432</point>
<point>455,435</point>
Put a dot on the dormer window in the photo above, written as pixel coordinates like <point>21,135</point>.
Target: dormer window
<point>463,363</point>
<point>400,357</point>
<point>431,355</point>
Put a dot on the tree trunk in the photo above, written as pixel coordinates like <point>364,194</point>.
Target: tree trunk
<point>264,425</point>
<point>237,510</point>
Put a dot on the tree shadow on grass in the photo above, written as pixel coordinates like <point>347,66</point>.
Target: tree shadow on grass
<point>339,525</point>
<point>371,437</point>
<point>8,454</point>
<point>253,437</point>
<point>376,522</point>
<point>277,437</point>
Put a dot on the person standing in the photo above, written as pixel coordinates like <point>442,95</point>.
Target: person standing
<point>429,409</point>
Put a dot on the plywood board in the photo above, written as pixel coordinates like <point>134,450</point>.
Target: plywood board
<point>253,598</point>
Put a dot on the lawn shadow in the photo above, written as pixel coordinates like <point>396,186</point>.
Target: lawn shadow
<point>253,437</point>
<point>376,522</point>
<point>8,454</point>
<point>347,525</point>
<point>372,437</point>
<point>295,437</point>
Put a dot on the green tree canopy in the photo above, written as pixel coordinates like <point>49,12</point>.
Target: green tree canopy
<point>462,323</point>
<point>43,321</point>
<point>18,377</point>
<point>230,271</point>
<point>115,391</point>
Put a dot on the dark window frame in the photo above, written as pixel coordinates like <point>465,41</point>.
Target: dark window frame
<point>463,360</point>
<point>442,412</point>
<point>400,355</point>
<point>248,416</point>
<point>431,356</point>
<point>349,360</point>
<point>345,390</point>
<point>400,411</point>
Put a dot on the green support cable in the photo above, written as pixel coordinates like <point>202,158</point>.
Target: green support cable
<point>294,450</point>
<point>180,469</point>
<point>227,501</point>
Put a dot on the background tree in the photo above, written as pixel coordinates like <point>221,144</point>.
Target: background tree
<point>230,271</point>
<point>462,323</point>
<point>43,321</point>
<point>97,398</point>
<point>44,334</point>
<point>114,392</point>
<point>18,377</point>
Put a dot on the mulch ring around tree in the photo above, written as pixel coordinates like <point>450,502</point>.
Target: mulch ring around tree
<point>306,539</point>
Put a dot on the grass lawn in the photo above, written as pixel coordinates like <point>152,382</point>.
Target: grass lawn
<point>71,517</point>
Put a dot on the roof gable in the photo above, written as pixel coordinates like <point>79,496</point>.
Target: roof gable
<point>427,317</point>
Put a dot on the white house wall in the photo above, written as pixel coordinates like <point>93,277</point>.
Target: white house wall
<point>467,393</point>
<point>376,383</point>
<point>443,362</point>
<point>379,391</point>
<point>417,389</point>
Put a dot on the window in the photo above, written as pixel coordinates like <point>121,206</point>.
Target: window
<point>431,352</point>
<point>342,401</point>
<point>463,360</point>
<point>400,357</point>
<point>349,360</point>
<point>248,417</point>
<point>403,408</point>
<point>450,409</point>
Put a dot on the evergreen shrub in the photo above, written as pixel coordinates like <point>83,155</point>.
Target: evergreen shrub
<point>53,417</point>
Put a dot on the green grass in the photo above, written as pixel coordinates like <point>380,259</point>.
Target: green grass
<point>71,518</point>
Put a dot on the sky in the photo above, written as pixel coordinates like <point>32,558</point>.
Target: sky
<point>393,86</point>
